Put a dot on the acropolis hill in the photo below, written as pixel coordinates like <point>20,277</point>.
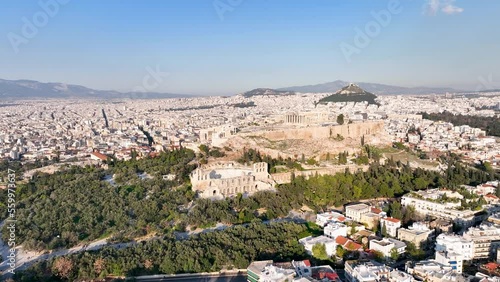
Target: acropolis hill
<point>314,141</point>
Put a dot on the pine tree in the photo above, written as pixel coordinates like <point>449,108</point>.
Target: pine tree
<point>384,230</point>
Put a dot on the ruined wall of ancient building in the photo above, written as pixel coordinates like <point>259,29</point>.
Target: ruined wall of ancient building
<point>249,183</point>
<point>353,130</point>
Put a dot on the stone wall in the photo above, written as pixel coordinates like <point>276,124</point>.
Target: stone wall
<point>221,179</point>
<point>285,177</point>
<point>353,130</point>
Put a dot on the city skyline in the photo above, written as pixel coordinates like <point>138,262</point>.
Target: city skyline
<point>227,47</point>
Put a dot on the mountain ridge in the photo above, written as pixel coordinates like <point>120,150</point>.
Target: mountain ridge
<point>266,91</point>
<point>29,89</point>
<point>375,88</point>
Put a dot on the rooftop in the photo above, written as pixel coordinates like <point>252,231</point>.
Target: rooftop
<point>358,207</point>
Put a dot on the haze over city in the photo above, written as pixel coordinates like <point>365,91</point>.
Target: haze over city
<point>219,48</point>
<point>258,141</point>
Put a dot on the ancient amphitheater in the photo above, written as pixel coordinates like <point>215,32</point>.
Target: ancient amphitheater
<point>224,179</point>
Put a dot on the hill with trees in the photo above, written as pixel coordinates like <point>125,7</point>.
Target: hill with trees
<point>207,252</point>
<point>350,93</point>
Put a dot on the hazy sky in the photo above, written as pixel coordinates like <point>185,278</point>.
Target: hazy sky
<point>230,46</point>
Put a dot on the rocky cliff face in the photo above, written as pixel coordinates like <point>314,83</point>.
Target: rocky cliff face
<point>351,89</point>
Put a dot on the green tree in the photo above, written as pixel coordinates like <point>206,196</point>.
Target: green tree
<point>311,161</point>
<point>340,251</point>
<point>319,251</point>
<point>396,210</point>
<point>394,254</point>
<point>378,256</point>
<point>413,252</point>
<point>340,119</point>
<point>409,214</point>
<point>204,149</point>
<point>384,230</point>
<point>353,228</point>
<point>343,158</point>
<point>375,226</point>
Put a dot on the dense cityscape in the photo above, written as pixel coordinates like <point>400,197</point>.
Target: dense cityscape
<point>345,181</point>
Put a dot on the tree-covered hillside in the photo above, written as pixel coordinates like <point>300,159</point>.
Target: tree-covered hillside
<point>208,252</point>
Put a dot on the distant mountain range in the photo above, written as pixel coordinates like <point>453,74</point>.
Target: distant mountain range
<point>375,88</point>
<point>28,89</point>
<point>350,93</point>
<point>266,91</point>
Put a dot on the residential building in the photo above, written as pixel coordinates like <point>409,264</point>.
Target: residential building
<point>348,244</point>
<point>386,245</point>
<point>323,219</point>
<point>355,212</point>
<point>440,204</point>
<point>486,239</point>
<point>391,225</point>
<point>307,273</point>
<point>416,234</point>
<point>266,271</point>
<point>333,230</point>
<point>371,220</point>
<point>455,244</point>
<point>310,241</point>
<point>494,218</point>
<point>442,224</point>
<point>455,260</point>
<point>433,271</point>
<point>366,271</point>
<point>97,156</point>
<point>490,269</point>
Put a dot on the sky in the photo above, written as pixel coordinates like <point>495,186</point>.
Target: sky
<point>223,47</point>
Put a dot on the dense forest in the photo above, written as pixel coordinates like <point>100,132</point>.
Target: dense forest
<point>490,124</point>
<point>76,204</point>
<point>208,252</point>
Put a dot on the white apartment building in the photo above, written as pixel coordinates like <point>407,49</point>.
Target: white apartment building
<point>425,201</point>
<point>429,203</point>
<point>355,212</point>
<point>323,219</point>
<point>266,271</point>
<point>486,239</point>
<point>372,271</point>
<point>366,271</point>
<point>386,245</point>
<point>333,230</point>
<point>455,244</point>
<point>391,225</point>
<point>310,241</point>
<point>433,271</point>
<point>455,260</point>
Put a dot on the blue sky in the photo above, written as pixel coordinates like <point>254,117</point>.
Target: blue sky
<point>252,43</point>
